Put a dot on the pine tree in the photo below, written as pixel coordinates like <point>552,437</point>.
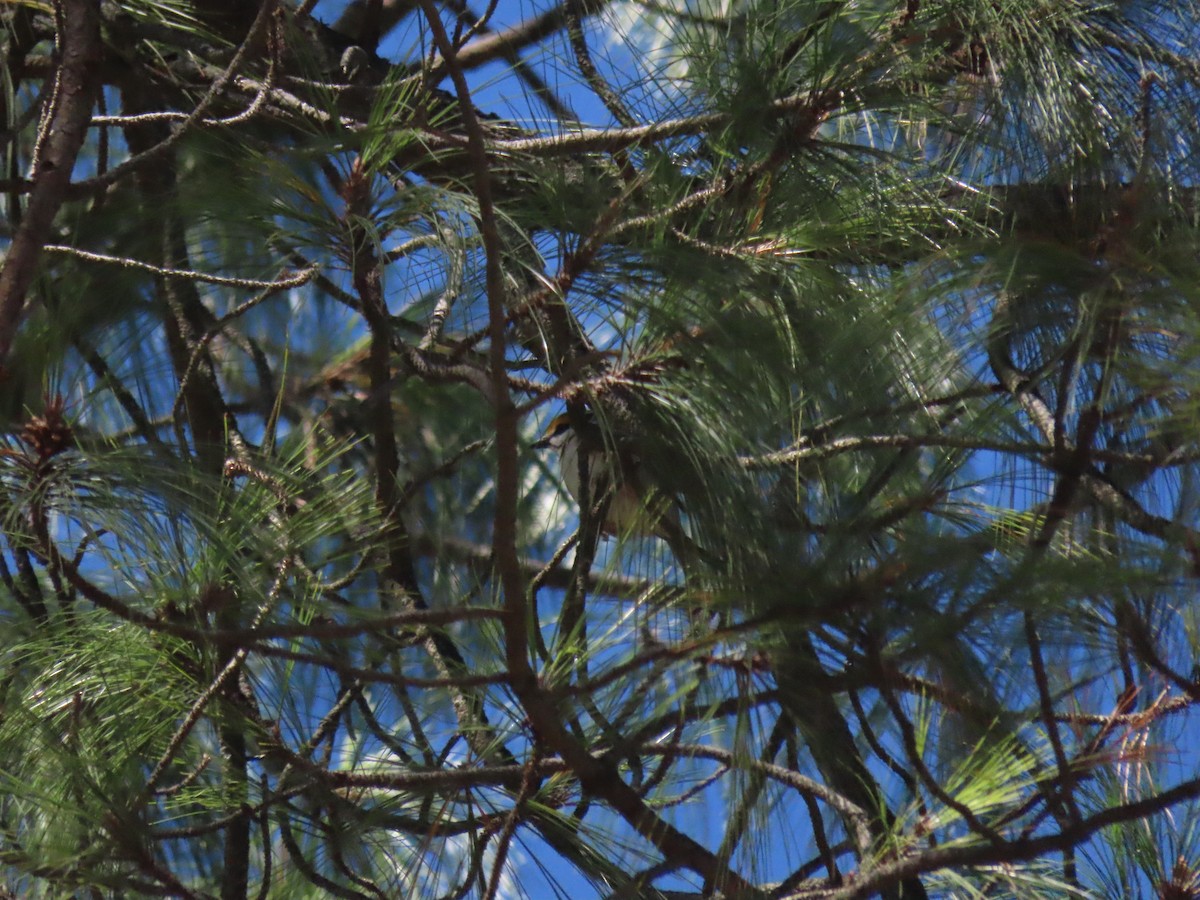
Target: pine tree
<point>886,314</point>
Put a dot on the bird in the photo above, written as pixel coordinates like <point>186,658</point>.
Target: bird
<point>618,484</point>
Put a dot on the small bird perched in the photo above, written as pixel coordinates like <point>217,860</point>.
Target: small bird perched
<point>617,481</point>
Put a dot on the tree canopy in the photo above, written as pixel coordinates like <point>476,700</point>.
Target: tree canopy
<point>886,311</point>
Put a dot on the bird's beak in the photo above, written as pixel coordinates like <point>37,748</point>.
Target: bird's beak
<point>541,444</point>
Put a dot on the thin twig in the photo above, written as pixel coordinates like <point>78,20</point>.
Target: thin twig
<point>277,284</point>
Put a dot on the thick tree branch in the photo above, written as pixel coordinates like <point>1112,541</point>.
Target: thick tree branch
<point>63,132</point>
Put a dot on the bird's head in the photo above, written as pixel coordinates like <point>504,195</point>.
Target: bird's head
<point>557,433</point>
